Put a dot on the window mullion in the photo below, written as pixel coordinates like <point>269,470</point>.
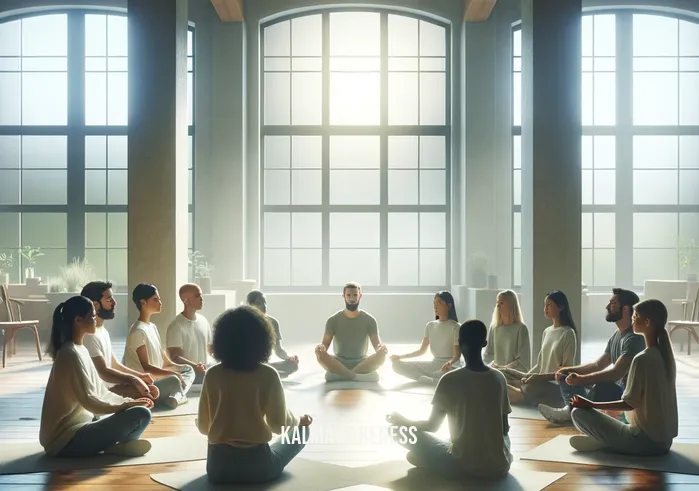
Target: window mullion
<point>383,159</point>
<point>325,172</point>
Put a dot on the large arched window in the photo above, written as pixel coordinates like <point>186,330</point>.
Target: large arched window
<point>63,139</point>
<point>640,148</point>
<point>355,125</point>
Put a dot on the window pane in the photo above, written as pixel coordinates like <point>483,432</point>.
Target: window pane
<point>689,152</point>
<point>517,267</point>
<point>355,34</point>
<point>604,152</point>
<point>605,230</point>
<point>605,99</point>
<point>97,259</point>
<point>277,99</point>
<point>655,99</point>
<point>689,228</point>
<point>277,267</point>
<point>9,187</point>
<point>10,38</point>
<point>117,187</point>
<point>433,267</point>
<point>118,152</point>
<point>588,99</point>
<point>433,187</point>
<point>45,35</point>
<point>655,230</point>
<point>605,267</point>
<point>50,263</point>
<point>433,152</point>
<point>362,265</point>
<point>96,230</point>
<point>517,100</point>
<point>517,151</point>
<point>307,36</point>
<point>95,187</point>
<point>45,152</point>
<point>10,152</point>
<point>403,267</point>
<point>587,230</point>
<point>588,267</point>
<point>118,99</point>
<point>432,98</point>
<point>605,187</point>
<point>355,152</point>
<point>689,38</point>
<point>306,187</point>
<point>403,230</point>
<point>117,230</point>
<point>433,230</point>
<point>307,267</point>
<point>402,187</point>
<point>277,229</point>
<point>354,98</point>
<point>9,224</point>
<point>277,187</point>
<point>689,99</point>
<point>45,230</point>
<point>44,187</point>
<point>10,98</point>
<point>517,187</point>
<point>604,35</point>
<point>355,187</point>
<point>96,152</point>
<point>402,36</point>
<point>306,230</point>
<point>432,39</point>
<point>307,98</point>
<point>403,152</point>
<point>654,264</point>
<point>587,187</point>
<point>654,35</point>
<point>403,98</point>
<point>44,98</point>
<point>655,187</point>
<point>306,152</point>
<point>655,152</point>
<point>689,187</point>
<point>117,266</point>
<point>276,39</point>
<point>349,230</point>
<point>517,230</point>
<point>95,98</point>
<point>276,152</point>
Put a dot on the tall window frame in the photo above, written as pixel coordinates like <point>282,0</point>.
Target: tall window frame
<point>383,131</point>
<point>616,220</point>
<point>92,230</point>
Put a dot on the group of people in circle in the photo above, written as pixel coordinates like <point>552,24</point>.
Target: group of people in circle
<point>624,401</point>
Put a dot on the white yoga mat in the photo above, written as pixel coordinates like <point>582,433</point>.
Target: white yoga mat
<point>299,475</point>
<point>525,412</point>
<point>402,476</point>
<point>682,459</point>
<point>191,407</point>
<point>25,458</point>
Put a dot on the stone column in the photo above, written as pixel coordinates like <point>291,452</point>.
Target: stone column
<point>158,225</point>
<point>551,157</point>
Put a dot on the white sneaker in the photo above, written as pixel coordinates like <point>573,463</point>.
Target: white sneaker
<point>134,448</point>
<point>555,415</point>
<point>584,443</point>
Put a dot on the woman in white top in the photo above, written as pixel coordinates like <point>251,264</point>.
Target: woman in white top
<point>650,397</point>
<point>144,351</point>
<point>242,404</point>
<point>442,337</point>
<point>75,394</point>
<point>558,347</point>
<point>508,337</point>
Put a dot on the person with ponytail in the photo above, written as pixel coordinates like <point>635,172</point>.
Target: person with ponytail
<point>442,337</point>
<point>75,394</point>
<point>558,347</point>
<point>649,399</point>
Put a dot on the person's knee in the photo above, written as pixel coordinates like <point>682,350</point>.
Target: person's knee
<point>140,414</point>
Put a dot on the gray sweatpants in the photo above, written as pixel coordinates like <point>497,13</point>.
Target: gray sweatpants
<point>171,386</point>
<point>618,436</point>
<point>416,369</point>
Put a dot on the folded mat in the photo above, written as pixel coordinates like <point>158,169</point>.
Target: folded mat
<point>526,412</point>
<point>299,475</point>
<point>683,458</point>
<point>25,458</point>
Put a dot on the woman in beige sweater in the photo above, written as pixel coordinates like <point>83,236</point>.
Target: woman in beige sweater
<point>242,404</point>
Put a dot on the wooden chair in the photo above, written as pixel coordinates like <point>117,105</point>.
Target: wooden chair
<point>690,315</point>
<point>14,324</point>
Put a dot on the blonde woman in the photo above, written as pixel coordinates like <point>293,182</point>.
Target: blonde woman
<point>508,338</point>
<point>649,399</point>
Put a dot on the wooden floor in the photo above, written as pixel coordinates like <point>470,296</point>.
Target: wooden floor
<point>23,381</point>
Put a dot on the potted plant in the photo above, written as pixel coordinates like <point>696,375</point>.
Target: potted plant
<point>6,262</point>
<point>30,254</point>
<point>203,276</point>
<point>195,260</point>
<point>689,259</point>
<point>75,275</point>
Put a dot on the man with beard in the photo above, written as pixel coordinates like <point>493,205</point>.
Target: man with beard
<point>603,380</point>
<point>189,334</point>
<point>351,328</point>
<point>118,378</point>
<point>289,364</point>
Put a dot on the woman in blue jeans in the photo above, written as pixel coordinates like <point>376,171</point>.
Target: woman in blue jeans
<point>242,404</point>
<point>75,394</point>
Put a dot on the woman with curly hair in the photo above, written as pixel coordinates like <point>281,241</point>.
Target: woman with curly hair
<point>242,404</point>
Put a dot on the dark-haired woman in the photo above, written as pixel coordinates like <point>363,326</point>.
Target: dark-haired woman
<point>75,394</point>
<point>442,337</point>
<point>558,347</point>
<point>242,404</point>
<point>650,397</point>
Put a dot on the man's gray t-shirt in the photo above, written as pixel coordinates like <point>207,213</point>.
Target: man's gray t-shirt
<point>627,344</point>
<point>351,336</point>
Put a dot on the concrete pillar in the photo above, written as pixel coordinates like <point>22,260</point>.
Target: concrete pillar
<point>551,157</point>
<point>158,150</point>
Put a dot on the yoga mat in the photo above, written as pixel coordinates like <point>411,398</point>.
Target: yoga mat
<point>299,475</point>
<point>187,409</point>
<point>402,476</point>
<point>526,412</point>
<point>25,458</point>
<point>682,459</point>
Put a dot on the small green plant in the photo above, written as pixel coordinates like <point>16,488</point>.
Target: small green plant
<point>688,255</point>
<point>204,270</point>
<point>75,275</point>
<point>30,254</point>
<point>7,260</point>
